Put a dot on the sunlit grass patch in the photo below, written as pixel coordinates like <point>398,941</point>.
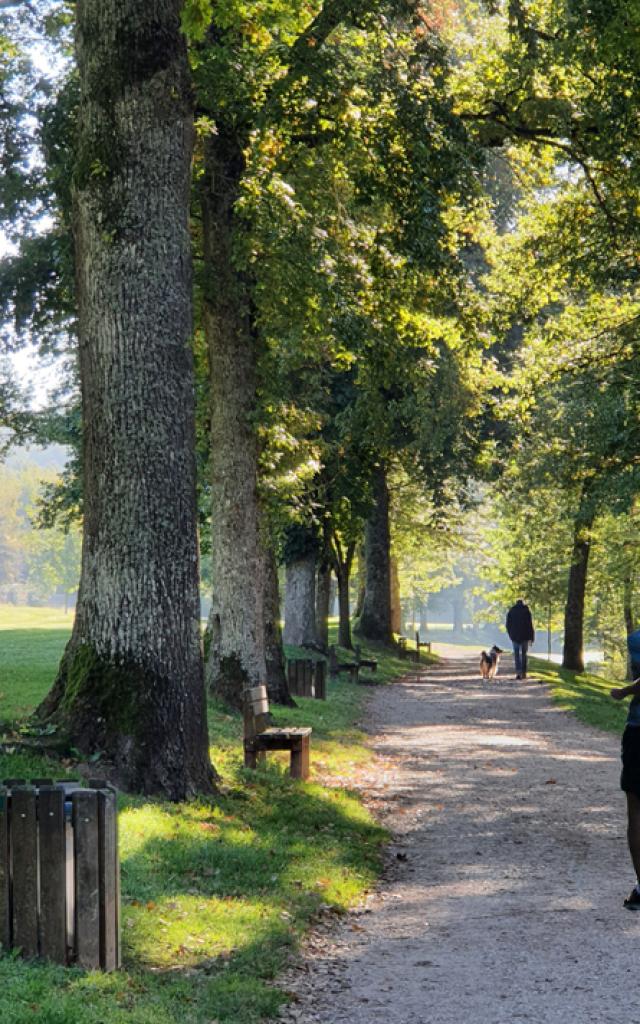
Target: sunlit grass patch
<point>29,658</point>
<point>215,893</point>
<point>584,695</point>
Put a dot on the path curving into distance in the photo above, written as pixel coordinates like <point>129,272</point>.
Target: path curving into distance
<point>508,907</point>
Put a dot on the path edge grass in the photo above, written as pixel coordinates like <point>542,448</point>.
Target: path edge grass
<point>582,695</point>
<point>323,847</point>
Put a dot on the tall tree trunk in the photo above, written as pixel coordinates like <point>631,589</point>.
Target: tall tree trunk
<point>323,600</point>
<point>573,650</point>
<point>627,604</point>
<point>130,683</point>
<point>394,597</point>
<point>342,561</point>
<point>277,686</point>
<point>236,657</point>
<point>375,620</point>
<point>344,613</point>
<point>361,579</point>
<point>424,616</point>
<point>300,602</point>
<point>458,612</point>
<point>549,632</point>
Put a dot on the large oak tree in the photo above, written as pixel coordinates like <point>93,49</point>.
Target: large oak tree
<point>130,684</point>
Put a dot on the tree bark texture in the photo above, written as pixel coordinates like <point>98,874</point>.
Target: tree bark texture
<point>236,657</point>
<point>360,582</point>
<point>375,620</point>
<point>344,611</point>
<point>277,685</point>
<point>342,560</point>
<point>573,650</point>
<point>396,610</point>
<point>300,602</point>
<point>323,601</point>
<point>627,605</point>
<point>130,684</point>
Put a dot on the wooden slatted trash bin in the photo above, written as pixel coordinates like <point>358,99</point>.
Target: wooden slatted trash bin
<point>59,872</point>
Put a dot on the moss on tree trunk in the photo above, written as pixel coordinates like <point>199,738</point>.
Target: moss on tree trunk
<point>131,682</point>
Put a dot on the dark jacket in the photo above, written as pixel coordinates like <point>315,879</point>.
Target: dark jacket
<point>520,624</point>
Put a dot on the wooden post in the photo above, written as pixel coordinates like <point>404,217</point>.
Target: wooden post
<point>109,880</point>
<point>24,863</point>
<point>300,758</point>
<point>5,873</point>
<point>308,678</point>
<point>87,875</point>
<point>320,684</point>
<point>53,874</point>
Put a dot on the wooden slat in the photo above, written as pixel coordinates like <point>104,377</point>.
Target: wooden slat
<point>260,707</point>
<point>41,782</point>
<point>320,684</point>
<point>308,678</point>
<point>24,869</point>
<point>5,872</point>
<point>87,886</point>
<point>108,860</point>
<point>53,896</point>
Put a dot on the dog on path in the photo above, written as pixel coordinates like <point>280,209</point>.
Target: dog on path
<point>489,662</point>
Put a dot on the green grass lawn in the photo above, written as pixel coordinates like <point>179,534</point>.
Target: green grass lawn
<point>215,893</point>
<point>584,695</point>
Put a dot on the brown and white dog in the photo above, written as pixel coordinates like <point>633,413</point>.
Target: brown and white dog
<point>489,662</point>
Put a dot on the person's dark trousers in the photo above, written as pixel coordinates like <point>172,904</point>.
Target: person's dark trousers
<point>520,654</point>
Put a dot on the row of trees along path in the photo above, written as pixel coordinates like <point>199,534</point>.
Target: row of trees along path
<point>502,899</point>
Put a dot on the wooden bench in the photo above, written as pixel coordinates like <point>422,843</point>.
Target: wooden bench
<point>403,650</point>
<point>420,644</point>
<point>352,667</point>
<point>260,736</point>
<point>361,662</point>
<point>407,652</point>
<point>307,678</point>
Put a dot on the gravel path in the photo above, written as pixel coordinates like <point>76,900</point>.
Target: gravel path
<point>502,900</point>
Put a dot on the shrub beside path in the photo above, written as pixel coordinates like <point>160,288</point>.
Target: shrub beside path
<point>502,898</point>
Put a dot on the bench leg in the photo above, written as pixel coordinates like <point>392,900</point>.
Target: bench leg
<point>300,759</point>
<point>253,758</point>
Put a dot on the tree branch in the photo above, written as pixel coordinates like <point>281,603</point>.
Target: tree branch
<point>329,18</point>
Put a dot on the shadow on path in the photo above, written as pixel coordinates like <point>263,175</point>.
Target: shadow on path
<point>508,906</point>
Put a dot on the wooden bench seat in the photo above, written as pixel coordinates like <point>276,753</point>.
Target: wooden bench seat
<point>260,736</point>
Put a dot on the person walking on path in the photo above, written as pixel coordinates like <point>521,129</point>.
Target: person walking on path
<point>521,634</point>
<point>630,777</point>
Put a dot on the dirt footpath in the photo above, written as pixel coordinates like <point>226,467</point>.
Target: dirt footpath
<point>502,901</point>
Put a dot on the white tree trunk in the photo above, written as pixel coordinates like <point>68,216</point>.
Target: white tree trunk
<point>300,603</point>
